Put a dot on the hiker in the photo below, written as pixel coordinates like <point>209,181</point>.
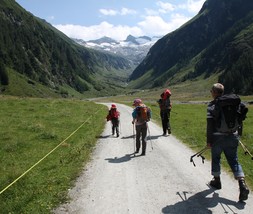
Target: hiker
<point>113,116</point>
<point>223,141</point>
<point>141,115</point>
<point>165,108</point>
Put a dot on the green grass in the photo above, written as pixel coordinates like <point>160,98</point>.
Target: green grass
<point>29,130</point>
<point>188,122</point>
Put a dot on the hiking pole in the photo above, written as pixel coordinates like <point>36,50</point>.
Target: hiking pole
<point>151,143</point>
<point>246,151</point>
<point>199,154</point>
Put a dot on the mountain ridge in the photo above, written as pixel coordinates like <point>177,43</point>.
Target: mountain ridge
<point>35,49</point>
<point>132,48</point>
<point>200,49</point>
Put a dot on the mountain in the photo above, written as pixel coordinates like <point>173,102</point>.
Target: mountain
<point>35,52</point>
<point>132,48</point>
<point>218,41</point>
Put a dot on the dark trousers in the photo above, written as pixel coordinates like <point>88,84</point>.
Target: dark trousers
<point>115,126</point>
<point>141,135</point>
<point>165,117</point>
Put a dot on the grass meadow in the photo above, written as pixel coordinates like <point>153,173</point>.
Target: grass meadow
<point>32,129</point>
<point>29,130</point>
<point>188,122</point>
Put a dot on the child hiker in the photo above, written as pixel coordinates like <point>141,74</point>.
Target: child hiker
<point>113,116</point>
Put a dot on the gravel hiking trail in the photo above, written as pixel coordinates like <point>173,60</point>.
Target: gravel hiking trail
<point>116,181</point>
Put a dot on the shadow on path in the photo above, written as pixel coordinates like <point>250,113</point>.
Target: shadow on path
<point>105,136</point>
<point>123,159</point>
<point>200,203</point>
<point>128,137</point>
<point>150,137</point>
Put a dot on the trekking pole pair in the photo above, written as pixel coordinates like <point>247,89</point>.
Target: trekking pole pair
<point>199,154</point>
<point>246,151</point>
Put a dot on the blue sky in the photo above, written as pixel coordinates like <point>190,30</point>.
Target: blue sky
<point>93,19</point>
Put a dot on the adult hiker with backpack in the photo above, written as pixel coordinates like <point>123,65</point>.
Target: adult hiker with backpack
<point>113,116</point>
<point>165,108</point>
<point>141,115</point>
<point>224,126</point>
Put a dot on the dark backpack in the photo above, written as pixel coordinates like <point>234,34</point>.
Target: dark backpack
<point>229,112</point>
<point>164,104</point>
<point>143,114</point>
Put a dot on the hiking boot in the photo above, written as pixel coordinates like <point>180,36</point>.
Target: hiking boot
<point>169,131</point>
<point>143,154</point>
<point>137,151</point>
<point>164,134</point>
<point>117,134</point>
<point>244,190</point>
<point>215,183</point>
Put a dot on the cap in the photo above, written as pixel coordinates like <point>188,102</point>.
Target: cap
<point>167,92</point>
<point>137,102</point>
<point>113,106</point>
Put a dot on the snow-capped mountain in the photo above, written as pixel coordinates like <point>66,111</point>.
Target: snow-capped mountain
<point>132,48</point>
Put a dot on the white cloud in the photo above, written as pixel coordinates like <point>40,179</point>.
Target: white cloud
<point>195,6</point>
<point>107,12</point>
<point>165,7</point>
<point>150,26</point>
<point>97,31</point>
<point>177,20</point>
<point>151,12</point>
<point>124,11</point>
<point>156,26</point>
<point>192,6</point>
<point>155,23</point>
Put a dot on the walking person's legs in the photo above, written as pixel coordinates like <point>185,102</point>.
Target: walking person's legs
<point>216,151</point>
<point>138,136</point>
<point>230,152</point>
<point>168,122</point>
<point>164,122</point>
<point>113,128</point>
<point>144,138</point>
<point>117,127</point>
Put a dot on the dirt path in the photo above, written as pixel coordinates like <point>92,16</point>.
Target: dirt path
<point>163,181</point>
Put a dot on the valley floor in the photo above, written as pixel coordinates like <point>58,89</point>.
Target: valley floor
<point>163,181</point>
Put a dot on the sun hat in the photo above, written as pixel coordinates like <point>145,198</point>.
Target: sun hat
<point>137,102</point>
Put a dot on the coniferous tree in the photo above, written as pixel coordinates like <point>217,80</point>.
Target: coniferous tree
<point>3,75</point>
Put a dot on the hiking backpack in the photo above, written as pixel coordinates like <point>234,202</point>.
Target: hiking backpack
<point>165,104</point>
<point>143,114</point>
<point>229,113</point>
<point>113,114</point>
